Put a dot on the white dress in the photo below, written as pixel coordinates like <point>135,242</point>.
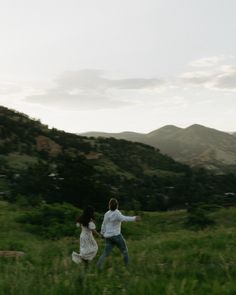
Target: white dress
<point>88,245</point>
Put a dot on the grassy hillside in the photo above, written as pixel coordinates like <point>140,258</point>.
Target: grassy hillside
<point>166,258</point>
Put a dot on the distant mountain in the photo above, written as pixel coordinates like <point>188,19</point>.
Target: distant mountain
<point>195,145</point>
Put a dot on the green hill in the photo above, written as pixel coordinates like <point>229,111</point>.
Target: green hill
<point>38,163</point>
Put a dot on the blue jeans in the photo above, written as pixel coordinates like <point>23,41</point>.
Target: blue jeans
<point>117,241</point>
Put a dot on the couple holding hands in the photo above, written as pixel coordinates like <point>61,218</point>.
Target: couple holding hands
<point>110,231</point>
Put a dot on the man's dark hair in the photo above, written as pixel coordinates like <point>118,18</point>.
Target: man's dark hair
<point>113,204</point>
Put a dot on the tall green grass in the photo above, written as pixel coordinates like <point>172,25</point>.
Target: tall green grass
<point>165,259</point>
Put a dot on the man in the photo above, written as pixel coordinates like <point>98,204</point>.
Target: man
<point>111,231</point>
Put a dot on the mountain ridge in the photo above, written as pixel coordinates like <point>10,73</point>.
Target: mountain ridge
<point>195,145</point>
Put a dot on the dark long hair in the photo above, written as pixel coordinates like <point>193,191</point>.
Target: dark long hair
<point>86,216</point>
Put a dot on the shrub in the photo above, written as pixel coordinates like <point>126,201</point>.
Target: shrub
<point>51,221</point>
<point>198,217</point>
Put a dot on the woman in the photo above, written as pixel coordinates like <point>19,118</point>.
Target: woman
<point>88,245</point>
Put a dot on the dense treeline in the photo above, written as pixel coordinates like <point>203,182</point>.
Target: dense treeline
<point>77,182</point>
<point>66,167</point>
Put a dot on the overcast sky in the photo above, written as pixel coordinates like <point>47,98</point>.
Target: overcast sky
<point>106,65</point>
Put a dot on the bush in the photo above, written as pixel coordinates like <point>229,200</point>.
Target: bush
<point>28,201</point>
<point>198,217</point>
<point>51,221</point>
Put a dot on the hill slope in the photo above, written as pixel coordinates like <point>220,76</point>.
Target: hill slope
<point>38,163</point>
<point>59,166</point>
<point>196,145</point>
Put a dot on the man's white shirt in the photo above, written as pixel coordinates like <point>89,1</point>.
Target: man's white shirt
<point>111,225</point>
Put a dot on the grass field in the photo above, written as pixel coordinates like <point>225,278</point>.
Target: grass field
<point>165,258</point>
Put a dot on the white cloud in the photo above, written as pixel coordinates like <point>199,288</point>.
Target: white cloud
<point>219,78</point>
<point>89,89</point>
<point>209,61</point>
<point>92,89</point>
<point>195,78</point>
<point>9,88</point>
<point>226,80</point>
<point>95,79</point>
<point>83,100</point>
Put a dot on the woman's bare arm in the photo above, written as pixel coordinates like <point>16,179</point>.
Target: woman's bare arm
<point>97,234</point>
